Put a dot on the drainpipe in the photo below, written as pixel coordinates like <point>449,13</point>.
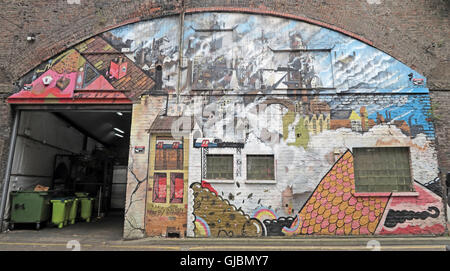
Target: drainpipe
<point>12,147</point>
<point>180,52</point>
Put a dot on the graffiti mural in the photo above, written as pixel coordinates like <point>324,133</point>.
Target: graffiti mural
<point>252,53</point>
<point>247,85</point>
<point>334,209</point>
<point>414,215</point>
<point>166,208</point>
<point>298,130</point>
<point>153,47</point>
<point>272,223</point>
<point>216,217</point>
<point>91,72</point>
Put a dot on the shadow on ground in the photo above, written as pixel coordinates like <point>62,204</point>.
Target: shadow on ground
<point>108,228</point>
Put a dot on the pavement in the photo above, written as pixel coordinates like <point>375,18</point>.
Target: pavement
<point>106,235</point>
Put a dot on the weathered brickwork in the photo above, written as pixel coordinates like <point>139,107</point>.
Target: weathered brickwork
<point>440,101</point>
<point>5,130</point>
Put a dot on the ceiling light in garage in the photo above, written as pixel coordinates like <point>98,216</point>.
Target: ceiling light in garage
<point>118,130</point>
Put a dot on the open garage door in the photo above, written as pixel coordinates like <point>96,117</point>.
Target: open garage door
<point>72,128</point>
<point>69,151</point>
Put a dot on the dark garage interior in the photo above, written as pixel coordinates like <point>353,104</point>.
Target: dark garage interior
<point>65,155</point>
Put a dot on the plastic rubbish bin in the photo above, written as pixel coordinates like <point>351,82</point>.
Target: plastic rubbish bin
<point>61,211</point>
<point>58,212</point>
<point>73,211</point>
<point>29,207</point>
<point>86,208</point>
<point>69,203</point>
<point>81,194</point>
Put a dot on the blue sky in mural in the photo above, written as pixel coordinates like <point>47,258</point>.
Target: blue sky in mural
<point>351,66</point>
<point>415,112</point>
<point>360,68</point>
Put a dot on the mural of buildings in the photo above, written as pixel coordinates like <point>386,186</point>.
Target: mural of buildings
<point>153,46</point>
<point>298,96</point>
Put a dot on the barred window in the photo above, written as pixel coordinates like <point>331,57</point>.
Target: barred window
<point>260,167</point>
<point>219,167</point>
<point>384,169</point>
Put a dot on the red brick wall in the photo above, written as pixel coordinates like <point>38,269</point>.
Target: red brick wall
<point>440,101</point>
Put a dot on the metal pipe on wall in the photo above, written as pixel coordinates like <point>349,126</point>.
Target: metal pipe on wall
<point>180,52</point>
<point>6,180</point>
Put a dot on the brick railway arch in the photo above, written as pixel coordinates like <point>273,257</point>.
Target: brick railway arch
<point>253,11</point>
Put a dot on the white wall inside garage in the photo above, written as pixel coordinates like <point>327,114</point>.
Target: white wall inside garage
<point>41,136</point>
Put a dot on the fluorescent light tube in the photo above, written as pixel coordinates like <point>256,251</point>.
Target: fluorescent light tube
<point>118,130</point>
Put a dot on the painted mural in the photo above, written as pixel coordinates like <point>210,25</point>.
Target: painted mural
<point>166,209</point>
<point>287,106</point>
<point>251,53</point>
<point>333,207</point>
<point>153,46</point>
<point>216,217</point>
<point>91,72</point>
<point>244,85</point>
<point>419,215</point>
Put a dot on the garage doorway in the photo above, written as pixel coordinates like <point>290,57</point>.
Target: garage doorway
<point>72,149</point>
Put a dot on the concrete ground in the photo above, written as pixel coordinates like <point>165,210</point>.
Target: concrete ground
<point>106,235</point>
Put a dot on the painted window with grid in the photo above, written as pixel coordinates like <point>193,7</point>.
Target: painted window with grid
<point>169,155</point>
<point>260,167</point>
<point>381,169</point>
<point>219,167</point>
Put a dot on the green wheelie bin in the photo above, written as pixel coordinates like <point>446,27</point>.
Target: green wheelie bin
<point>61,211</point>
<point>29,207</point>
<point>73,210</point>
<point>68,208</point>
<point>86,208</point>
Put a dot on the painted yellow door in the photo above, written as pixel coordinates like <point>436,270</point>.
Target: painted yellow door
<point>166,209</point>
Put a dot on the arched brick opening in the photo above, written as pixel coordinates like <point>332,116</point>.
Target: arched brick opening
<point>175,12</point>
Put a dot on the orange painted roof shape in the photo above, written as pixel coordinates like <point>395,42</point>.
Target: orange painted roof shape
<point>333,208</point>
